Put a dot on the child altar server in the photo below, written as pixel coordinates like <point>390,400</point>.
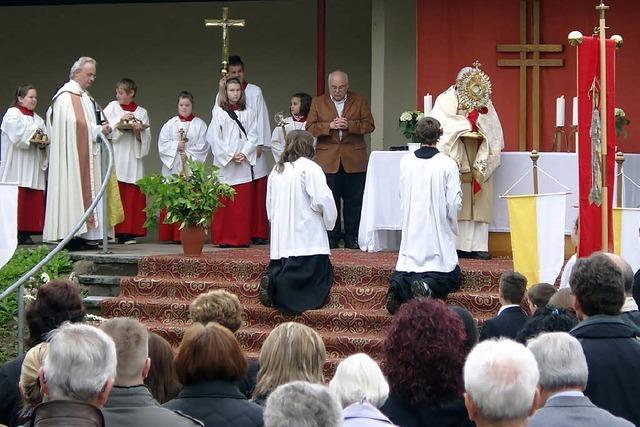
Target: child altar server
<point>300,106</point>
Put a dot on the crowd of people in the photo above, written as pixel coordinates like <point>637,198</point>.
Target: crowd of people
<point>559,366</point>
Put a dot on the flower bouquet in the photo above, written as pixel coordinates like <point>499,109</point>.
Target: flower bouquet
<point>408,123</point>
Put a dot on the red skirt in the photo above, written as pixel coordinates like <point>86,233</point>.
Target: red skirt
<point>133,202</point>
<point>231,224</point>
<point>31,205</point>
<point>168,232</point>
<point>259,220</point>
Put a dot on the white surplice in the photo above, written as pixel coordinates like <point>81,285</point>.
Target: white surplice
<point>65,204</point>
<point>301,209</point>
<point>431,197</point>
<point>23,163</point>
<point>278,138</point>
<point>227,139</point>
<point>196,146</point>
<point>127,150</point>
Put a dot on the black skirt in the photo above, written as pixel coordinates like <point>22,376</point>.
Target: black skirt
<point>300,283</point>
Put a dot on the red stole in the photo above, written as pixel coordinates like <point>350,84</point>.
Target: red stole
<point>24,110</point>
<point>131,107</point>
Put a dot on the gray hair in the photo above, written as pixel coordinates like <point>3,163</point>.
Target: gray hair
<point>80,360</point>
<point>561,361</point>
<point>334,72</point>
<point>302,404</point>
<point>359,378</point>
<point>463,72</point>
<point>79,64</point>
<point>501,376</point>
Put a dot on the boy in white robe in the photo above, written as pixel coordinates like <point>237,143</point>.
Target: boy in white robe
<point>431,197</point>
<point>301,209</point>
<point>175,150</point>
<point>299,109</point>
<point>131,137</point>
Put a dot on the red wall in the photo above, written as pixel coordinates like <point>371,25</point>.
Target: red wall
<point>453,33</point>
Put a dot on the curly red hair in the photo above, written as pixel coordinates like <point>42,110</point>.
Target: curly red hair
<point>424,353</point>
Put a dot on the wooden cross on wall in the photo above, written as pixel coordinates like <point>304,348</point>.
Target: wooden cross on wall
<point>525,49</point>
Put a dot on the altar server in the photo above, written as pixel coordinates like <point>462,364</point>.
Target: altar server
<point>301,209</point>
<point>233,137</point>
<point>300,105</point>
<point>430,197</point>
<point>131,138</point>
<point>24,162</point>
<point>181,138</point>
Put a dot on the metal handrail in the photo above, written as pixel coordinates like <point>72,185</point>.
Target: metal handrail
<point>18,284</point>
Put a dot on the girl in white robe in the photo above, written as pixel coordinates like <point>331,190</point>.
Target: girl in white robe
<point>24,162</point>
<point>299,109</point>
<point>174,151</point>
<point>130,147</point>
<point>301,209</point>
<point>233,137</point>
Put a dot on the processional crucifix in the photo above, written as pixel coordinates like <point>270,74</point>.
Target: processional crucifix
<point>225,23</point>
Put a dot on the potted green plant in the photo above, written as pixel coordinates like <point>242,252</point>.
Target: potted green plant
<point>407,124</point>
<point>189,198</point>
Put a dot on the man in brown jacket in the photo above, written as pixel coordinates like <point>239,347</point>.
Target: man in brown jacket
<point>340,119</point>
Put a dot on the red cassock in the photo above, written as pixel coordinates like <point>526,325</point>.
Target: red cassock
<point>133,202</point>
<point>31,204</point>
<point>259,221</point>
<point>168,232</point>
<point>231,224</point>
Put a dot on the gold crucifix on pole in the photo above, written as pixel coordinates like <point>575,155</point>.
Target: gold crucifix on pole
<point>225,23</point>
<point>535,49</point>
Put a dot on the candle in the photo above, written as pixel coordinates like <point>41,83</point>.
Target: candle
<point>574,122</point>
<point>560,111</point>
<point>428,104</point>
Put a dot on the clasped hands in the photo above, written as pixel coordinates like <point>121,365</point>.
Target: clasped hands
<point>339,123</point>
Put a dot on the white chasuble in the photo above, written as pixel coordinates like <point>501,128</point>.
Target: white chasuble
<point>196,146</point>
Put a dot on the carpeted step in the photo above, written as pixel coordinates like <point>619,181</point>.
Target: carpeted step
<point>480,305</point>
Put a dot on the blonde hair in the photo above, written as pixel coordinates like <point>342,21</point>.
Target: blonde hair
<point>132,346</point>
<point>33,361</point>
<point>219,306</point>
<point>291,352</point>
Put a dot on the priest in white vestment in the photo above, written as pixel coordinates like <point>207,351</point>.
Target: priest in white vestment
<point>431,197</point>
<point>75,171</point>
<point>463,119</point>
<point>301,209</point>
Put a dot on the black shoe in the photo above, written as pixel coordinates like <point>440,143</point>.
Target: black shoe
<point>24,239</point>
<point>333,244</point>
<point>483,255</point>
<point>259,241</point>
<point>420,288</point>
<point>350,243</point>
<point>465,254</point>
<point>393,304</point>
<point>263,292</point>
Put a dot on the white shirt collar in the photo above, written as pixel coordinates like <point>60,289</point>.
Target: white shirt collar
<point>504,307</point>
<point>568,393</point>
<point>342,101</point>
<point>629,305</point>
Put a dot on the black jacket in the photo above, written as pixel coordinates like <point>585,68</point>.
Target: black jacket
<point>10,401</point>
<point>612,350</point>
<point>506,324</point>
<point>217,403</point>
<point>401,413</point>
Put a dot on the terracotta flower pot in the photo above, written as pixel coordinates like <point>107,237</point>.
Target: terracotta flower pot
<point>192,238</point>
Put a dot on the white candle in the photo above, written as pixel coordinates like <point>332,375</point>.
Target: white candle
<point>428,104</point>
<point>560,111</point>
<point>574,122</point>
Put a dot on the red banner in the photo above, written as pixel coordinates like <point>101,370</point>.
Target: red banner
<point>588,72</point>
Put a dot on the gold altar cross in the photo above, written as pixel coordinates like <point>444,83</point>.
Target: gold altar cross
<point>535,49</point>
<point>225,23</point>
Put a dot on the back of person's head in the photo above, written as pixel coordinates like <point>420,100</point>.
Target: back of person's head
<point>470,326</point>
<point>428,131</point>
<point>209,353</point>
<point>218,306</point>
<point>563,299</point>
<point>513,285</point>
<point>305,102</point>
<point>80,363</point>
<point>598,285</point>
<point>162,380</point>
<point>302,404</point>
<point>425,333</point>
<point>627,272</point>
<point>358,378</point>
<point>56,302</point>
<point>561,361</point>
<point>547,319</point>
<point>636,287</point>
<point>540,294</point>
<point>299,143</point>
<point>132,347</point>
<point>29,382</point>
<point>291,352</point>
<point>500,378</point>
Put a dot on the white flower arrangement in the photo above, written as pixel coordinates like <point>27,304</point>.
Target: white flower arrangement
<point>408,122</point>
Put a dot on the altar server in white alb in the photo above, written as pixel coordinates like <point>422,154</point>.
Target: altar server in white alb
<point>255,102</point>
<point>24,162</point>
<point>182,137</point>
<point>131,138</point>
<point>301,209</point>
<point>75,170</point>
<point>299,109</point>
<point>233,137</point>
<point>430,197</point>
<point>473,138</point>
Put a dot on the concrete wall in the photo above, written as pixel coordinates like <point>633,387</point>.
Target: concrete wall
<point>166,48</point>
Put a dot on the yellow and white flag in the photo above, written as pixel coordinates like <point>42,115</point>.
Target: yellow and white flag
<point>537,235</point>
<point>626,235</point>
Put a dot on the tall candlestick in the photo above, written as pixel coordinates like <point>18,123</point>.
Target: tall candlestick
<point>428,104</point>
<point>560,111</point>
<point>574,122</point>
